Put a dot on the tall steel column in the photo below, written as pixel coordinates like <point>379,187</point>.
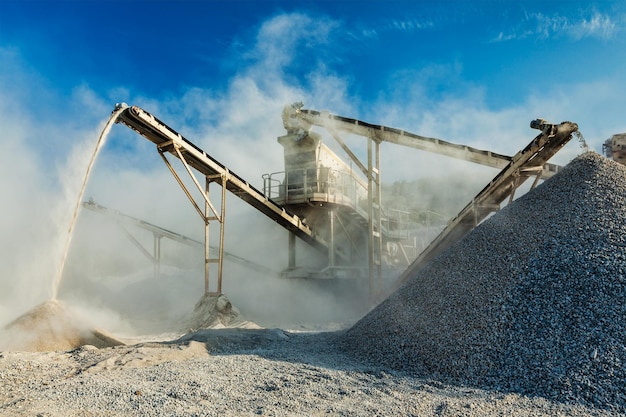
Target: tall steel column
<point>331,238</point>
<point>207,245</point>
<point>220,218</point>
<point>292,250</point>
<point>374,216</point>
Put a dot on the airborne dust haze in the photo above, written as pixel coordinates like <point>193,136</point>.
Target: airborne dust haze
<point>105,276</point>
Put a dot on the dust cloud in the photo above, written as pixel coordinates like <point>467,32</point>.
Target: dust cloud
<point>48,137</point>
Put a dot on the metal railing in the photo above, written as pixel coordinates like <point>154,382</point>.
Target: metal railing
<point>302,184</point>
<point>305,183</point>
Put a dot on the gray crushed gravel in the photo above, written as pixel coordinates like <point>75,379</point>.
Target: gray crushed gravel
<point>240,372</point>
<point>533,301</point>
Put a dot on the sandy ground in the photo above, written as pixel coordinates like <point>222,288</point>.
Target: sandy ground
<point>232,372</point>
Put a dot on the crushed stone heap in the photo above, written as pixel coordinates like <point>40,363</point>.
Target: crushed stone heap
<point>532,301</point>
<point>212,312</point>
<point>50,326</point>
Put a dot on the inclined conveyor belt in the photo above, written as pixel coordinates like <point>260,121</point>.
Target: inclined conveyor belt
<point>527,163</point>
<point>176,237</point>
<point>167,140</point>
<point>401,137</point>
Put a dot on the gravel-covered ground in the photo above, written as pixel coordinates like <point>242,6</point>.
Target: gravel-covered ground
<point>524,317</point>
<point>240,372</point>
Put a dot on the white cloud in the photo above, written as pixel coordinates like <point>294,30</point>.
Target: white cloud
<point>542,26</point>
<point>407,26</point>
<point>598,25</point>
<point>285,40</point>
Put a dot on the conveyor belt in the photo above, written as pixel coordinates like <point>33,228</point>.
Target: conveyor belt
<point>167,140</point>
<point>177,237</point>
<point>523,165</point>
<point>305,118</point>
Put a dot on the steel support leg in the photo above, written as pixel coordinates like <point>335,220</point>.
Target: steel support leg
<point>331,238</point>
<point>292,250</point>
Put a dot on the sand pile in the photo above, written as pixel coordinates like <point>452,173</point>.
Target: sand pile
<point>49,327</point>
<point>215,311</point>
<point>532,301</point>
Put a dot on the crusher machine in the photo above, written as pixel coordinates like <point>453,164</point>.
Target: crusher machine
<point>335,206</point>
<point>615,148</point>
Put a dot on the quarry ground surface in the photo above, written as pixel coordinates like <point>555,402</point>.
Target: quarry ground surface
<point>232,372</point>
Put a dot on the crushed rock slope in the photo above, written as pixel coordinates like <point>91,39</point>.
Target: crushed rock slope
<point>531,301</point>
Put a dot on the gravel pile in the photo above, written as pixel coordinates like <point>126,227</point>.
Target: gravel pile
<point>532,301</point>
<point>51,326</point>
<point>215,312</point>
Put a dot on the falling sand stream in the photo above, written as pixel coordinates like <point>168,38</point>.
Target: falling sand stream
<point>70,231</point>
<point>50,325</point>
<point>53,326</point>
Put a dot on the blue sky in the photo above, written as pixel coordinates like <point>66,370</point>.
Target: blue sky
<point>162,48</point>
<point>471,72</point>
<point>499,52</point>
